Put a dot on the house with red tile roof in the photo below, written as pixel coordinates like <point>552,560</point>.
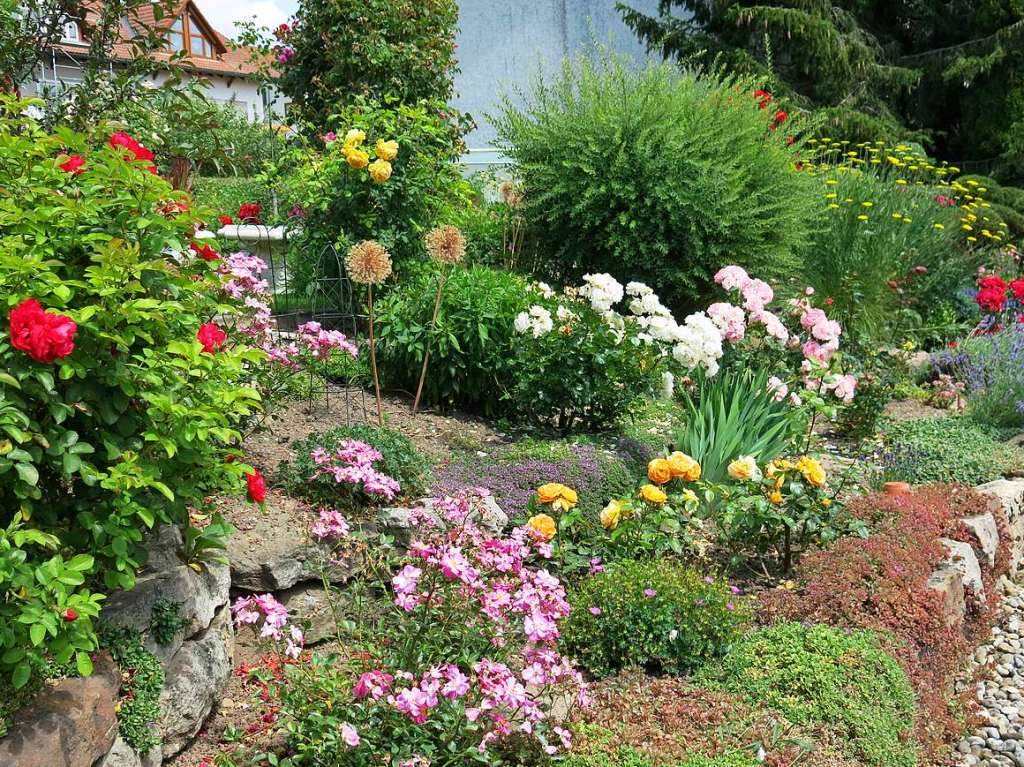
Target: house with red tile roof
<point>231,71</point>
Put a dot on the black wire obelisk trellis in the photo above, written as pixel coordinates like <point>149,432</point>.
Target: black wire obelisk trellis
<point>334,307</point>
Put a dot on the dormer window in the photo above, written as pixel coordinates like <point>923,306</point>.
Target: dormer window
<point>188,35</point>
<point>72,34</point>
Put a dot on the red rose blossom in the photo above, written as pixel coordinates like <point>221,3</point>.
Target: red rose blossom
<point>205,252</point>
<point>75,165</point>
<point>44,336</point>
<point>226,220</point>
<point>780,117</point>
<point>992,282</point>
<point>70,615</point>
<point>1017,286</point>
<point>764,98</point>
<point>257,486</point>
<point>991,299</point>
<point>211,337</point>
<point>249,213</point>
<point>135,149</point>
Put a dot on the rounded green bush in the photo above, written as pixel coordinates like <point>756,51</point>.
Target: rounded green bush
<point>657,614</point>
<point>820,675</point>
<point>655,175</point>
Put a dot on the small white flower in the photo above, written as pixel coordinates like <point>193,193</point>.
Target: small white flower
<point>638,289</point>
<point>522,322</point>
<point>668,388</point>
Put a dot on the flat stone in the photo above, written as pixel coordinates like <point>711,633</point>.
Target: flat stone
<point>1009,493</point>
<point>987,532</point>
<point>70,723</point>
<point>950,584</point>
<point>195,680</point>
<point>961,556</point>
<point>308,607</point>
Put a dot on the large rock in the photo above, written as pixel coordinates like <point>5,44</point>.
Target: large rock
<point>397,521</point>
<point>950,585</point>
<point>1010,495</point>
<point>961,557</point>
<point>196,678</point>
<point>70,724</point>
<point>986,531</point>
<point>121,755</point>
<point>308,607</point>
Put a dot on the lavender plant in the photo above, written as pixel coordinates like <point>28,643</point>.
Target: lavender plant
<point>991,367</point>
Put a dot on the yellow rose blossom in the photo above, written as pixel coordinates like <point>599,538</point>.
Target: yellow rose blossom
<point>611,514</point>
<point>544,525</point>
<point>826,502</point>
<point>660,471</point>
<point>355,138</point>
<point>743,468</point>
<point>775,497</point>
<point>387,150</point>
<point>684,467</point>
<point>357,158</point>
<point>653,494</point>
<point>812,471</point>
<point>380,171</point>
<point>560,497</point>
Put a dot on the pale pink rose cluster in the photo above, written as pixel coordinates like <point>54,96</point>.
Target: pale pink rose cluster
<point>329,525</point>
<point>250,610</point>
<point>352,463</point>
<point>321,343</point>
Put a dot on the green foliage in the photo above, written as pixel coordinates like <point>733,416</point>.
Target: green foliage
<point>225,195</point>
<point>733,414</point>
<point>472,349</point>
<point>820,675</point>
<point>866,256</point>
<point>654,175</point>
<point>231,144</point>
<point>951,72</point>
<point>624,756</point>
<point>952,449</point>
<point>343,206</point>
<point>381,49</point>
<point>134,425</point>
<point>402,461</point>
<point>166,621</point>
<point>142,680</point>
<point>687,621</point>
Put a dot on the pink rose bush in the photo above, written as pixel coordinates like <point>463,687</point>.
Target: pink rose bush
<point>352,464</point>
<point>466,657</point>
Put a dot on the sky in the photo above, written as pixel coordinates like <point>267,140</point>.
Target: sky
<point>223,14</point>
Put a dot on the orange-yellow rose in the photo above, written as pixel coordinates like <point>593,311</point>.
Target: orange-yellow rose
<point>560,497</point>
<point>743,468</point>
<point>387,150</point>
<point>775,497</point>
<point>653,494</point>
<point>813,471</point>
<point>544,525</point>
<point>684,467</point>
<point>660,471</point>
<point>357,158</point>
<point>380,171</point>
<point>354,138</point>
<point>611,514</point>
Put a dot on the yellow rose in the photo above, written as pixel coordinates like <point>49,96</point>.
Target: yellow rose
<point>355,138</point>
<point>544,525</point>
<point>659,470</point>
<point>826,502</point>
<point>549,493</point>
<point>684,467</point>
<point>357,158</point>
<point>813,471</point>
<point>380,171</point>
<point>775,497</point>
<point>387,150</point>
<point>566,500</point>
<point>611,514</point>
<point>743,468</point>
<point>653,494</point>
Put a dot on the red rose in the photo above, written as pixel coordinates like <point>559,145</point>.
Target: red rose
<point>44,336</point>
<point>257,486</point>
<point>75,165</point>
<point>250,212</point>
<point>135,149</point>
<point>952,344</point>
<point>226,220</point>
<point>764,98</point>
<point>993,282</point>
<point>1017,286</point>
<point>991,299</point>
<point>211,337</point>
<point>780,117</point>
<point>70,615</point>
<point>206,252</point>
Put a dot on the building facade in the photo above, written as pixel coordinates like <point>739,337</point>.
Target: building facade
<point>502,44</point>
<point>230,73</point>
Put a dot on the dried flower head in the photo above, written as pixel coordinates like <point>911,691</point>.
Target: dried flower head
<point>511,194</point>
<point>368,263</point>
<point>446,244</point>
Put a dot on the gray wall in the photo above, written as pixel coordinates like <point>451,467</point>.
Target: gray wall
<point>501,43</point>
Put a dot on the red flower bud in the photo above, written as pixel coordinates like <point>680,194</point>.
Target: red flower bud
<point>257,486</point>
<point>70,615</point>
<point>75,165</point>
<point>226,220</point>
<point>211,337</point>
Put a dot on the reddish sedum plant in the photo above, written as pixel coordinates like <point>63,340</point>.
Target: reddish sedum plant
<point>880,583</point>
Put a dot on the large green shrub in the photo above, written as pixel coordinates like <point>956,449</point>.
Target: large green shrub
<point>225,195</point>
<point>824,676</point>
<point>128,427</point>
<point>471,353</point>
<point>655,175</point>
<point>952,450</point>
<point>656,614</point>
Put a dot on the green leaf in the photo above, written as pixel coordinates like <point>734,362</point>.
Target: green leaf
<point>20,676</point>
<point>7,378</point>
<point>84,663</point>
<point>27,472</point>
<point>37,633</point>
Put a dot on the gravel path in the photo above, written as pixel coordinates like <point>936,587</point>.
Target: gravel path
<point>999,742</point>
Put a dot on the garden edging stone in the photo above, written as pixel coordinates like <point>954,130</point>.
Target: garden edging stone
<point>1010,495</point>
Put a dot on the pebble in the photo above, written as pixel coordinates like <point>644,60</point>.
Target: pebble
<point>1000,742</point>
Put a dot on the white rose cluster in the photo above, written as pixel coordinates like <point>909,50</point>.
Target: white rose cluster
<point>700,344</point>
<point>537,320</point>
<point>602,290</point>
